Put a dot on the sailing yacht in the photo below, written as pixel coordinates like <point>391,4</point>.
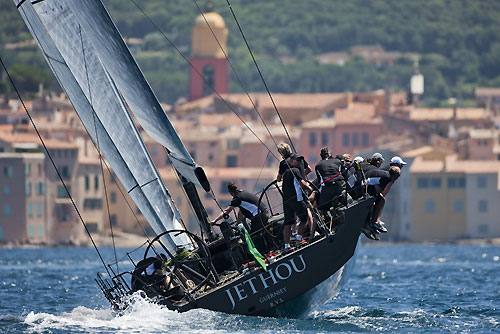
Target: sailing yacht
<point>97,71</point>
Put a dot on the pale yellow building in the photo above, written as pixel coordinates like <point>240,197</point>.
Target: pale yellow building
<point>454,199</point>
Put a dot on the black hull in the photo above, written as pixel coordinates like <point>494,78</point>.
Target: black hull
<point>292,285</point>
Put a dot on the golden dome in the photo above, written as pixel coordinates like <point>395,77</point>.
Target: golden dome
<point>214,19</point>
<point>203,43</point>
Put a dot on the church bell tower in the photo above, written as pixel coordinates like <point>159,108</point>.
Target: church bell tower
<point>207,57</point>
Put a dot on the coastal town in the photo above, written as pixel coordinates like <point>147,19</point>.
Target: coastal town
<point>448,190</point>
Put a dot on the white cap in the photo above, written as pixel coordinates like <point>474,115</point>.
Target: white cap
<point>398,160</point>
<point>358,159</point>
<point>378,156</point>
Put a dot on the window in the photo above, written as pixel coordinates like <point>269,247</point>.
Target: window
<point>1,233</point>
<point>39,209</point>
<point>41,231</point>
<point>38,189</point>
<point>233,144</point>
<point>92,203</point>
<point>61,192</point>
<point>223,187</point>
<point>27,168</point>
<point>112,220</point>
<point>93,227</point>
<point>231,161</point>
<point>6,209</point>
<point>5,190</point>
<point>30,209</point>
<point>210,157</point>
<point>365,139</point>
<point>481,181</point>
<point>456,182</point>
<point>324,138</point>
<point>27,187</point>
<point>65,172</point>
<point>458,206</point>
<point>482,205</point>
<point>430,206</point>
<point>113,197</point>
<point>435,182</point>
<point>422,183</point>
<point>209,79</point>
<point>355,139</point>
<point>40,168</point>
<point>96,182</point>
<point>43,188</point>
<point>7,171</point>
<point>312,139</point>
<point>345,139</point>
<point>483,228</point>
<point>87,182</point>
<point>31,231</point>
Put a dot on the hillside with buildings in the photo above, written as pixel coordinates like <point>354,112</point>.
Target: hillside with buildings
<point>448,191</point>
<point>303,47</point>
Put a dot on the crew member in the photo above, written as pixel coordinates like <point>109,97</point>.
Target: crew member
<point>148,272</point>
<point>395,161</point>
<point>293,200</point>
<point>329,173</point>
<point>286,152</point>
<point>379,183</point>
<point>373,163</point>
<point>248,208</point>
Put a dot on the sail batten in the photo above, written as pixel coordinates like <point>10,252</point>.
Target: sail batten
<point>94,95</point>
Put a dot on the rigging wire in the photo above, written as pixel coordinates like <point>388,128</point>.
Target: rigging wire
<point>261,76</point>
<point>98,148</point>
<point>55,166</point>
<point>260,174</point>
<point>201,76</point>
<point>236,74</point>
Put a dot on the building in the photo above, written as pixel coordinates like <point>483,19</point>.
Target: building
<point>349,130</point>
<point>453,199</point>
<point>209,69</point>
<point>23,198</point>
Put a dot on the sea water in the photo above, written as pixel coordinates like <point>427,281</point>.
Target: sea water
<point>394,288</point>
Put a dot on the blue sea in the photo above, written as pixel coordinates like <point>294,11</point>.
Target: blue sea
<point>392,289</point>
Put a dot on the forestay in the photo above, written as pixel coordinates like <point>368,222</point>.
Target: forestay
<point>95,97</point>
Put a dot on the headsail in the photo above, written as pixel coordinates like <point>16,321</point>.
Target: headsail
<point>120,64</point>
<point>98,103</point>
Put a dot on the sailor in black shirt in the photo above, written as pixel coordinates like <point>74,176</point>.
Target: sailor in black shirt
<point>379,183</point>
<point>248,205</point>
<point>329,173</point>
<point>374,163</point>
<point>286,152</point>
<point>293,197</point>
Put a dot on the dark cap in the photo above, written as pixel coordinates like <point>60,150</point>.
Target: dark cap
<point>295,156</point>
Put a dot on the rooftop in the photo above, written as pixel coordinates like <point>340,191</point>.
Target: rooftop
<point>444,114</point>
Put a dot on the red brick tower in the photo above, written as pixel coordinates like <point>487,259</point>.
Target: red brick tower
<point>207,57</point>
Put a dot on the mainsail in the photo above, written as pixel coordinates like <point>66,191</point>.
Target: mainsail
<point>100,107</point>
<point>119,62</point>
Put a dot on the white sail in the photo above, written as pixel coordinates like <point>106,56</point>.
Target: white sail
<point>120,64</point>
<point>98,104</point>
